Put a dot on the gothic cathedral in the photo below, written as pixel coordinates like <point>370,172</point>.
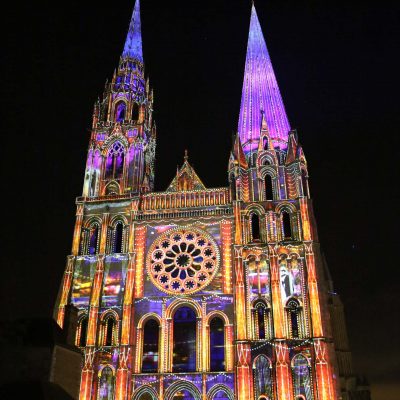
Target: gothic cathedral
<point>198,293</point>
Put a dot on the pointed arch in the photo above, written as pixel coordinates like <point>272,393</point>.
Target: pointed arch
<point>109,324</point>
<point>135,111</point>
<point>294,318</point>
<point>262,320</point>
<point>106,383</point>
<point>182,386</point>
<point>302,377</point>
<point>112,189</point>
<point>262,375</point>
<point>114,166</point>
<point>150,346</point>
<point>145,393</point>
<point>218,389</point>
<point>81,332</point>
<point>268,186</point>
<point>304,182</point>
<point>286,225</point>
<point>93,238</point>
<point>120,111</point>
<point>255,227</point>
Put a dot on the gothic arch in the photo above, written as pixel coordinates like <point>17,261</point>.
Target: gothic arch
<point>102,366</point>
<point>90,221</point>
<point>182,385</point>
<point>219,387</point>
<point>116,103</point>
<point>147,317</point>
<point>219,314</point>
<point>254,208</point>
<point>108,312</point>
<point>112,188</point>
<point>298,356</point>
<point>146,389</point>
<point>288,207</point>
<point>118,218</point>
<point>183,303</point>
<point>110,142</point>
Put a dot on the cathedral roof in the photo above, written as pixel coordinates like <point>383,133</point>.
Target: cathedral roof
<point>260,94</point>
<point>133,42</point>
<point>186,179</point>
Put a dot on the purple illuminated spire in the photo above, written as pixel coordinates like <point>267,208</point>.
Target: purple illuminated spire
<point>133,43</point>
<point>260,94</point>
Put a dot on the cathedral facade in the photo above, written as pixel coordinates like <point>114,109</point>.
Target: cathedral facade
<point>198,293</point>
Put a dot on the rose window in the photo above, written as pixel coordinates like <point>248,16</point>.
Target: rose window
<point>183,261</point>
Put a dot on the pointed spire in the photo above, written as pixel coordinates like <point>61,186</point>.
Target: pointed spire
<point>260,94</point>
<point>133,43</point>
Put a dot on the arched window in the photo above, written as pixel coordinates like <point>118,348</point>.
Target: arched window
<point>109,327</point>
<point>286,225</point>
<point>120,109</point>
<point>255,227</point>
<point>304,183</point>
<point>269,192</point>
<point>106,384</point>
<point>135,112</point>
<point>115,161</point>
<point>118,237</point>
<point>301,378</point>
<point>262,377</point>
<point>293,311</point>
<point>150,346</point>
<point>93,239</point>
<point>82,332</point>
<point>184,349</point>
<point>217,345</point>
<point>265,143</point>
<point>261,319</point>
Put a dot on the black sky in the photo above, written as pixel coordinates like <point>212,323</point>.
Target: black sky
<point>337,68</point>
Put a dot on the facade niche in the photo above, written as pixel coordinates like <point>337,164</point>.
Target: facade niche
<point>93,239</point>
<point>118,238</point>
<point>269,192</point>
<point>82,332</point>
<point>293,318</point>
<point>120,111</point>
<point>255,227</point>
<point>286,225</point>
<point>150,346</point>
<point>217,345</point>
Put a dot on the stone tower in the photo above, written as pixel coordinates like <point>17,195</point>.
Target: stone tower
<point>195,292</point>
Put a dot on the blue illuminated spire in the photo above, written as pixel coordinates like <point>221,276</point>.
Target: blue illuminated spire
<point>260,94</point>
<point>133,43</point>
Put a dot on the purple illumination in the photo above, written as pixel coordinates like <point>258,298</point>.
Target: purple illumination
<point>133,43</point>
<point>260,94</point>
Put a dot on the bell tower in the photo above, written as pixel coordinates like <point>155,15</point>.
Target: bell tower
<point>123,139</point>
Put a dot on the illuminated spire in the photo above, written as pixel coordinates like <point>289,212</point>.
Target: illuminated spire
<point>133,43</point>
<point>260,94</point>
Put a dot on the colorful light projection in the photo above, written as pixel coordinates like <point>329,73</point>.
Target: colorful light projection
<point>259,278</point>
<point>262,374</point>
<point>133,43</point>
<point>290,277</point>
<point>85,268</point>
<point>115,269</point>
<point>260,94</point>
<point>106,384</point>
<point>302,378</point>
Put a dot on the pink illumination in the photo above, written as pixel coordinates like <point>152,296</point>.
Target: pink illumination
<point>260,94</point>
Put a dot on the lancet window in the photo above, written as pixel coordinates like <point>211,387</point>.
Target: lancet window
<point>293,312</point>
<point>81,333</point>
<point>116,238</point>
<point>261,320</point>
<point>269,192</point>
<point>115,161</point>
<point>262,375</point>
<point>150,355</point>
<point>255,227</point>
<point>304,182</point>
<point>286,225</point>
<point>135,112</point>
<point>184,340</point>
<point>217,345</point>
<point>109,331</point>
<point>302,384</point>
<point>92,246</point>
<point>106,384</point>
<point>120,111</point>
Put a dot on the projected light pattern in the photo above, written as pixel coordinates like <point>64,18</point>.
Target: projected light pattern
<point>260,94</point>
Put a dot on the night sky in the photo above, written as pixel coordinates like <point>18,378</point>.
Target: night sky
<point>337,68</point>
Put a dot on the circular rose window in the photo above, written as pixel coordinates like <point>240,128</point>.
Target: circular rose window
<point>182,261</point>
